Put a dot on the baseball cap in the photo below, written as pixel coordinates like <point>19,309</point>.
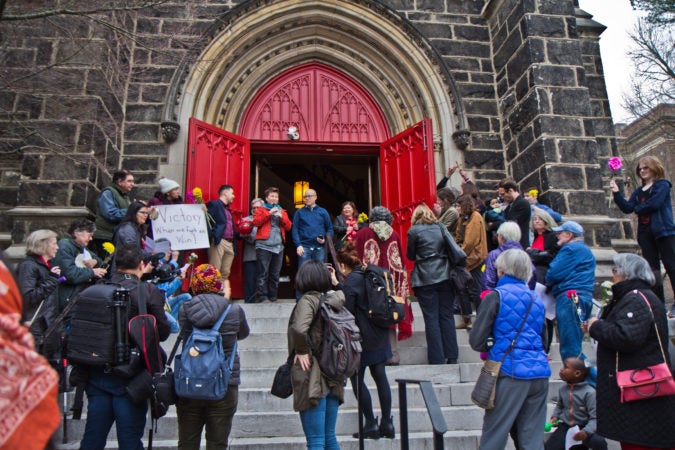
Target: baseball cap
<point>570,226</point>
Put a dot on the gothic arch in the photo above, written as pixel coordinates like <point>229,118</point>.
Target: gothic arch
<point>364,39</point>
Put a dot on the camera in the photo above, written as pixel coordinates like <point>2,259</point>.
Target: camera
<point>163,273</point>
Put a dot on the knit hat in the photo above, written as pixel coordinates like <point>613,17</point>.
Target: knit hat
<point>380,214</point>
<point>205,280</point>
<point>166,185</point>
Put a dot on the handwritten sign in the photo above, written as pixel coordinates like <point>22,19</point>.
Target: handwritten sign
<point>183,225</point>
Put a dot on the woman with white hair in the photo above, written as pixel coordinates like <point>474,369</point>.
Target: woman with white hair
<point>38,281</point>
<point>508,237</point>
<point>627,339</point>
<point>513,316</point>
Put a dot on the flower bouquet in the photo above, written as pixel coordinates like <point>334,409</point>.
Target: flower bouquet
<point>196,197</point>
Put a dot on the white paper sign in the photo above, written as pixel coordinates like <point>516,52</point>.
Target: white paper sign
<point>183,225</point>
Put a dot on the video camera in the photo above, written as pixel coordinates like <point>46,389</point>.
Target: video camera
<point>163,273</point>
<point>153,258</point>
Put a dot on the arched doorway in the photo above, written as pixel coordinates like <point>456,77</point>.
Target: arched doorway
<point>336,144</point>
<point>368,44</point>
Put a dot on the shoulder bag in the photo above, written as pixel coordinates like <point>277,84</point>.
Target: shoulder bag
<point>282,386</point>
<point>454,252</point>
<point>647,382</point>
<point>483,394</point>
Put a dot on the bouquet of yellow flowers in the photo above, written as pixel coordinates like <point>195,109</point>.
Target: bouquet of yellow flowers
<point>109,249</point>
<point>362,219</point>
<point>197,197</point>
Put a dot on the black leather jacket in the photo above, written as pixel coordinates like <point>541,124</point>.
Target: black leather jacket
<point>427,248</point>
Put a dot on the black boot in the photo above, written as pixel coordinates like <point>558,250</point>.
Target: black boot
<point>387,428</point>
<point>370,430</point>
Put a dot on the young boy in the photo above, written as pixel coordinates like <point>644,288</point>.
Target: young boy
<point>576,406</point>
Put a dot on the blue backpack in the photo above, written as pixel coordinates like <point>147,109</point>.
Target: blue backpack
<point>202,371</point>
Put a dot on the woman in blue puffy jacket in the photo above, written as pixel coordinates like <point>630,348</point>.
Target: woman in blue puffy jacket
<point>656,230</point>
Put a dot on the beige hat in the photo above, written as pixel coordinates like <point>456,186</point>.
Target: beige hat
<point>166,185</point>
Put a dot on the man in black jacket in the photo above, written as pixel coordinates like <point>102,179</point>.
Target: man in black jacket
<point>518,211</point>
<point>108,401</point>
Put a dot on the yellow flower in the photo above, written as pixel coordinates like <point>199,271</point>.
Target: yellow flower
<point>197,194</point>
<point>363,218</point>
<point>109,247</point>
<point>534,193</point>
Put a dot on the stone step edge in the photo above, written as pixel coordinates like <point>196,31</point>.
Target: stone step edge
<point>246,442</point>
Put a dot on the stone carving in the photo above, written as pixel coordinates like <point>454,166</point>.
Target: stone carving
<point>462,139</point>
<point>170,131</point>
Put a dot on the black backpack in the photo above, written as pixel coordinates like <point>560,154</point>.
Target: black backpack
<point>98,326</point>
<point>339,352</point>
<point>384,307</point>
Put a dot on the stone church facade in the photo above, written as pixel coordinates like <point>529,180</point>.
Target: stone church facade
<point>513,88</point>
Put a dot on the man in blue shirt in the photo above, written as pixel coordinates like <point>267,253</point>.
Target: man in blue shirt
<point>311,224</point>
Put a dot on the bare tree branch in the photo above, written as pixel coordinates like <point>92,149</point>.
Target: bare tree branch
<point>135,6</point>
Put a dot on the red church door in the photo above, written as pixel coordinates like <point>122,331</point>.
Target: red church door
<point>407,175</point>
<point>217,157</point>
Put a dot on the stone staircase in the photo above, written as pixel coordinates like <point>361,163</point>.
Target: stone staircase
<point>267,422</point>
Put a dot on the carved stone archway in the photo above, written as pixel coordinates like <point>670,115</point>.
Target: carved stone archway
<point>366,40</point>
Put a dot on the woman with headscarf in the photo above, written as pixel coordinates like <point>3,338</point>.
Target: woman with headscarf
<point>379,244</point>
<point>628,339</point>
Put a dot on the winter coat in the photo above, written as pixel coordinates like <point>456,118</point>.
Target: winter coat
<point>626,327</point>
<point>500,315</point>
<point>471,237</point>
<point>489,278</point>
<point>519,211</point>
<point>77,278</point>
<point>658,207</point>
<point>426,246</point>
<point>311,386</point>
<point>581,410</point>
<point>223,218</point>
<point>128,233</point>
<point>203,311</point>
<point>373,337</point>
<point>38,283</point>
<point>572,268</point>
<point>263,221</point>
<point>449,218</point>
<point>112,207</point>
<point>379,244</point>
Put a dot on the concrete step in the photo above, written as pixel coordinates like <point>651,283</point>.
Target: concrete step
<point>453,440</point>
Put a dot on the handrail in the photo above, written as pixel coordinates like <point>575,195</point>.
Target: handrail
<point>433,408</point>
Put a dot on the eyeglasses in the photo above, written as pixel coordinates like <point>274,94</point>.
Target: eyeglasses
<point>145,213</point>
<point>309,196</point>
<point>614,270</point>
<point>643,168</point>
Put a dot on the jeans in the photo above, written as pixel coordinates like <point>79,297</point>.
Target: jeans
<point>216,415</point>
<point>569,324</point>
<point>250,278</point>
<point>656,251</point>
<point>438,303</point>
<point>176,302</point>
<point>108,402</point>
<point>269,267</point>
<point>318,424</point>
<point>317,253</point>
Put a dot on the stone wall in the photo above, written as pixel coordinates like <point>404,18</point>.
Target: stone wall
<point>81,101</point>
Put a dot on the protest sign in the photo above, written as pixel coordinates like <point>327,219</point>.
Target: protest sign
<point>183,225</point>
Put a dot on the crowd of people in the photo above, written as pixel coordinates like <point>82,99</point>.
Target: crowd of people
<point>532,275</point>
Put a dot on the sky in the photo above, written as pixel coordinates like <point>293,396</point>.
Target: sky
<point>619,18</point>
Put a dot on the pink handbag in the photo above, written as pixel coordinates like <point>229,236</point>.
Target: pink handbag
<point>648,382</point>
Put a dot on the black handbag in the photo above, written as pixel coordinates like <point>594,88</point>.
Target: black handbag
<point>282,386</point>
<point>164,393</point>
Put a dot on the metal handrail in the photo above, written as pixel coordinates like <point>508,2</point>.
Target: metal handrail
<point>433,408</point>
